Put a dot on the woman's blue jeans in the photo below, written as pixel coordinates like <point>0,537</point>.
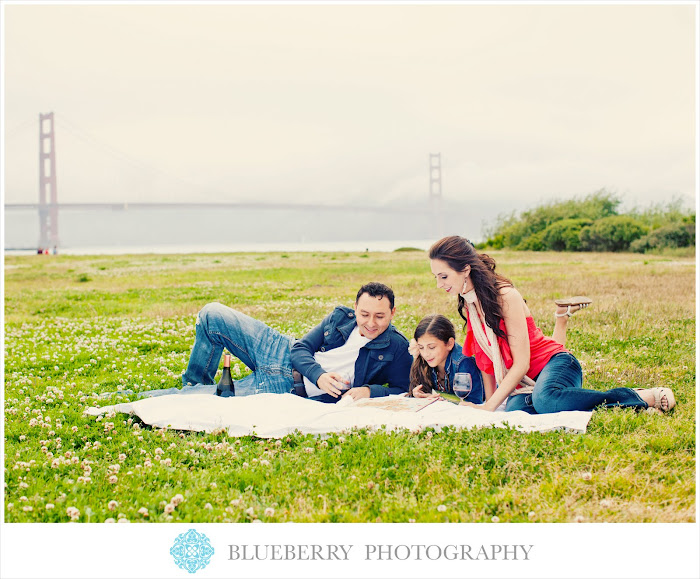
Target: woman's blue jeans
<point>558,388</point>
<point>264,350</point>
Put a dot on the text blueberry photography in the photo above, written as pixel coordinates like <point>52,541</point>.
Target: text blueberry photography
<point>192,551</point>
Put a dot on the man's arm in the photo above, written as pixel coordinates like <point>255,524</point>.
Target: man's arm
<point>303,352</point>
<point>396,375</point>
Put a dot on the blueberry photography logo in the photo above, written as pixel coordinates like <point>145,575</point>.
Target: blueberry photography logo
<point>192,551</point>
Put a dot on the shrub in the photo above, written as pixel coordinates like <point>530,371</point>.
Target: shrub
<point>534,242</point>
<point>564,235</point>
<point>614,233</point>
<point>680,234</point>
<point>514,230</point>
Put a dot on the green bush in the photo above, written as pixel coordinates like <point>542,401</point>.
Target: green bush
<point>673,235</point>
<point>534,242</point>
<point>564,235</point>
<point>614,233</point>
<point>514,230</point>
<point>662,214</point>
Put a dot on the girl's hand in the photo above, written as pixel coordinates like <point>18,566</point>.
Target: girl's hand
<point>418,392</point>
<point>413,348</point>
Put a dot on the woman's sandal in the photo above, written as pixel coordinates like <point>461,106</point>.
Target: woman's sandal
<point>659,393</point>
<point>580,301</point>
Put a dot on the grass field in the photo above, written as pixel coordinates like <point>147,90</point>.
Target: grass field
<point>76,327</point>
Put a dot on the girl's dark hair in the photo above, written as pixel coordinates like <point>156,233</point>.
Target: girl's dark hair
<point>435,325</point>
<point>459,253</point>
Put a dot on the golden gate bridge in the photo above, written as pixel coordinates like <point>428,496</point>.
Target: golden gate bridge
<point>48,206</point>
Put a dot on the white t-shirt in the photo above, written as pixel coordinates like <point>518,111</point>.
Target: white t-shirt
<point>340,360</point>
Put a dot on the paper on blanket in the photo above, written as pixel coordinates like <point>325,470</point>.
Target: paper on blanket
<point>276,415</point>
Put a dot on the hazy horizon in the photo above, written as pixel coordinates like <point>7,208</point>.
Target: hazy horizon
<point>344,103</point>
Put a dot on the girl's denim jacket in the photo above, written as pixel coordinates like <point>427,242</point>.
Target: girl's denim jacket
<point>458,362</point>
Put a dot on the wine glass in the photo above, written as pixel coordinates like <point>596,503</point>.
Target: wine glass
<point>462,384</point>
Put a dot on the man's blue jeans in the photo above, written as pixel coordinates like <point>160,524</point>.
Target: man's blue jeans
<point>558,388</point>
<point>264,350</point>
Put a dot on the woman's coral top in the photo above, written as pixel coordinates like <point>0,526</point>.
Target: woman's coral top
<point>542,348</point>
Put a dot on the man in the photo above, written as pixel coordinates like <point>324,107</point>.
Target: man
<point>353,352</point>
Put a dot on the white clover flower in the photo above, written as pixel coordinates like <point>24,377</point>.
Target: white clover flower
<point>269,512</point>
<point>169,508</point>
<point>177,499</point>
<point>49,506</point>
<point>208,506</point>
<point>111,505</point>
<point>441,508</point>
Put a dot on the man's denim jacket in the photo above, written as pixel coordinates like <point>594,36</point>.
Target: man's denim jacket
<point>383,361</point>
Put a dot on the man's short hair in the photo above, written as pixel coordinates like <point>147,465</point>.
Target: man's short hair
<point>377,290</point>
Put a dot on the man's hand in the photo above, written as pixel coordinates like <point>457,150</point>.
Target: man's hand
<point>357,393</point>
<point>333,383</point>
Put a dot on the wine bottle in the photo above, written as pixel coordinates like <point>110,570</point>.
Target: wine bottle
<point>226,387</point>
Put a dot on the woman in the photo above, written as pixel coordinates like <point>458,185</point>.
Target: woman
<point>437,357</point>
<point>520,366</point>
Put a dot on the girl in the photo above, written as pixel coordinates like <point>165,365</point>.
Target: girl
<point>520,366</point>
<point>437,358</point>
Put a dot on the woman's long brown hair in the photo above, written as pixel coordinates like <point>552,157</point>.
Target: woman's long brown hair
<point>459,253</point>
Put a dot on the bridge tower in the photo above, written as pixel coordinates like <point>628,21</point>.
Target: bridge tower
<point>48,212</point>
<point>435,167</point>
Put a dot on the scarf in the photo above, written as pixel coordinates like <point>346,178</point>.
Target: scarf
<point>488,342</point>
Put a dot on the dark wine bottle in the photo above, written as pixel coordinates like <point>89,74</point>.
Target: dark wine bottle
<point>226,388</point>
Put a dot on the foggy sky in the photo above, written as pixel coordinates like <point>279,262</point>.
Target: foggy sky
<point>343,104</point>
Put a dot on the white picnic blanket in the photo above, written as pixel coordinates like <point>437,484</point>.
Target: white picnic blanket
<point>276,415</point>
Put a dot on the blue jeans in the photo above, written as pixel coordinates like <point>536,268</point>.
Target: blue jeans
<point>264,350</point>
<point>558,388</point>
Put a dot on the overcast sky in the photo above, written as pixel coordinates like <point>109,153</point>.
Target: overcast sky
<point>343,104</point>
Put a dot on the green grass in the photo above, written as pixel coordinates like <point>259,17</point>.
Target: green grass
<point>77,327</point>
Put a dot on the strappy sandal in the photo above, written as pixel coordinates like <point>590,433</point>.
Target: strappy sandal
<point>659,393</point>
<point>580,301</point>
